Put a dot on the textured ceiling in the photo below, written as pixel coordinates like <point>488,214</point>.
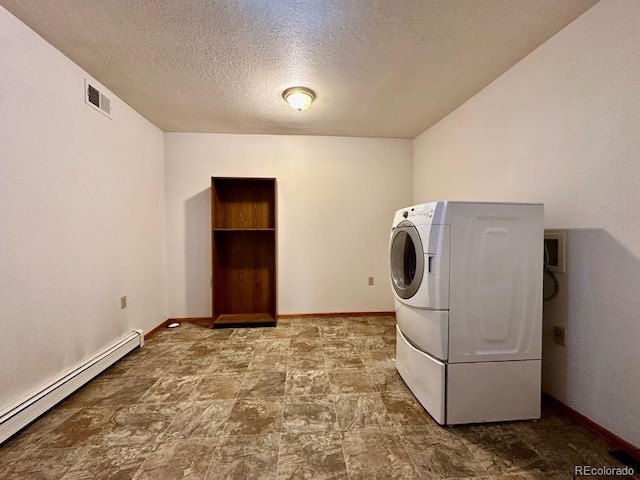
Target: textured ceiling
<point>380,68</point>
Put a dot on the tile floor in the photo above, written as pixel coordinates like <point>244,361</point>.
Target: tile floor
<point>311,398</point>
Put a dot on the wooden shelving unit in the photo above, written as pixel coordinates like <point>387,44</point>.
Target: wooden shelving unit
<point>243,241</point>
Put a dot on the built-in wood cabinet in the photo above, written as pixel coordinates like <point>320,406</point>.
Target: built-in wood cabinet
<point>244,244</point>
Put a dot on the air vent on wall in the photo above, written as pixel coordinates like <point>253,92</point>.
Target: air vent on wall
<point>97,100</point>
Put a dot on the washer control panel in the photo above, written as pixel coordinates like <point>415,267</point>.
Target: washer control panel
<point>420,211</point>
<point>421,214</point>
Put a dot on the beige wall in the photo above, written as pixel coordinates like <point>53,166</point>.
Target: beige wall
<point>336,200</point>
<point>81,217</point>
<point>561,127</point>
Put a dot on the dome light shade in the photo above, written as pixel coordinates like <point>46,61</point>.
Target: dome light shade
<point>299,98</point>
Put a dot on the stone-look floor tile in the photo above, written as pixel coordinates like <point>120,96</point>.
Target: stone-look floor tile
<point>374,349</point>
<point>43,464</point>
<point>536,428</point>
<point>30,437</point>
<point>562,451</point>
<point>220,334</point>
<point>117,369</point>
<point>309,413</point>
<point>245,457</point>
<point>499,449</point>
<point>182,459</point>
<point>389,327</point>
<point>155,349</point>
<point>385,376</point>
<point>340,331</point>
<point>273,346</point>
<point>357,320</point>
<point>229,363</point>
<point>170,390</point>
<point>172,351</point>
<point>271,362</point>
<point>531,476</point>
<point>184,333</point>
<point>377,453</point>
<point>405,410</point>
<point>361,410</point>
<point>112,417</point>
<point>281,331</point>
<point>153,366</point>
<point>307,382</point>
<point>247,334</point>
<point>351,380</point>
<point>199,420</point>
<point>255,416</point>
<point>311,455</point>
<point>107,463</point>
<point>440,453</point>
<point>300,321</point>
<point>337,343</point>
<point>365,343</point>
<point>204,348</point>
<point>186,367</point>
<point>245,348</point>
<point>305,345</point>
<point>333,321</point>
<point>85,427</point>
<point>263,384</point>
<point>305,331</point>
<point>216,387</point>
<point>110,392</point>
<point>378,354</point>
<point>310,361</point>
<point>141,363</point>
<point>367,330</point>
<point>8,459</point>
<point>138,424</point>
<point>342,358</point>
<point>287,321</point>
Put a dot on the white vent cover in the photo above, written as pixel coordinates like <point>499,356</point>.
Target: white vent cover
<point>94,98</point>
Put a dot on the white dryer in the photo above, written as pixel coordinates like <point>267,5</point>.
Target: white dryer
<point>467,282</point>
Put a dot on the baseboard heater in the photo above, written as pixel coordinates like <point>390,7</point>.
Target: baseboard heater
<point>28,410</point>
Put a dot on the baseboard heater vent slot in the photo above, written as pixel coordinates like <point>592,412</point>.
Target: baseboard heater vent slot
<point>27,411</point>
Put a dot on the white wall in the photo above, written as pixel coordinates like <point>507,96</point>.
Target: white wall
<point>81,217</point>
<point>336,199</point>
<point>562,127</point>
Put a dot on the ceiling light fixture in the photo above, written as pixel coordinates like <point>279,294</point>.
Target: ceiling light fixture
<point>299,98</point>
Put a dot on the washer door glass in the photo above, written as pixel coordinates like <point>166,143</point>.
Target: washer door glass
<point>407,260</point>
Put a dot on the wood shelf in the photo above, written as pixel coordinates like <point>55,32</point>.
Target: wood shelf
<point>243,203</point>
<point>244,230</point>
<point>243,240</point>
<point>244,319</point>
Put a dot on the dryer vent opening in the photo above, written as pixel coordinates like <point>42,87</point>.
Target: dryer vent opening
<point>96,99</point>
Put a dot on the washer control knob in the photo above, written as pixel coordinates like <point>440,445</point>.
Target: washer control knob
<point>405,214</point>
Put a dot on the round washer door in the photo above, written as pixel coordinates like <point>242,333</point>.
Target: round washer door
<point>407,260</point>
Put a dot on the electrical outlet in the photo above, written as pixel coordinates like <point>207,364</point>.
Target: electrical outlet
<point>558,335</point>
<point>370,281</point>
<point>123,302</point>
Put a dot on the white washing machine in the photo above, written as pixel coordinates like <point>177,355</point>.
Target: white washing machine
<point>467,281</point>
